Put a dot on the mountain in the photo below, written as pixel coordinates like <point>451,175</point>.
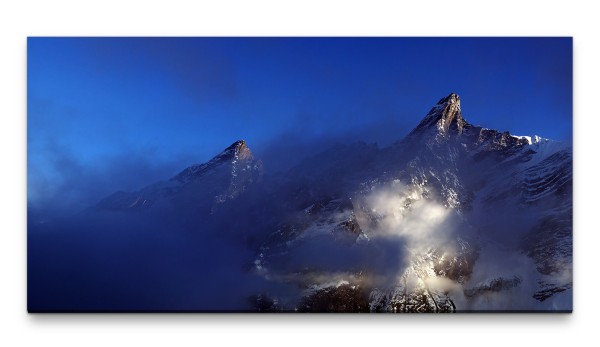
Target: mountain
<point>453,217</point>
<point>201,188</point>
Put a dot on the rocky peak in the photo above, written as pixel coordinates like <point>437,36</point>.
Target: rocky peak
<point>445,117</point>
<point>452,98</point>
<point>236,152</point>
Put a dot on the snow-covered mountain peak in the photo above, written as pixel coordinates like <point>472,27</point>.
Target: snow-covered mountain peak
<point>532,139</point>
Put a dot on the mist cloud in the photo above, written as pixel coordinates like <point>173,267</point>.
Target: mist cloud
<point>62,183</point>
<point>426,226</point>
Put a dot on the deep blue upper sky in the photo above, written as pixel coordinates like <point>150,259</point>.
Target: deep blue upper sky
<point>121,112</point>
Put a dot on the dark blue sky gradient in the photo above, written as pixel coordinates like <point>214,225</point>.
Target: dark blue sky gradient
<point>119,113</point>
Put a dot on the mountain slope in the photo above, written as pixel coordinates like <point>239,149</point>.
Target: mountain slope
<point>201,187</point>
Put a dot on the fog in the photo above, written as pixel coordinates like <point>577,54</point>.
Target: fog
<point>424,225</point>
<point>64,184</point>
<point>102,262</point>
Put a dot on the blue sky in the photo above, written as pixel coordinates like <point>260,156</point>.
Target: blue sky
<point>119,113</point>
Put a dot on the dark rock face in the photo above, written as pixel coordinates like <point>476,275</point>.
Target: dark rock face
<point>347,231</point>
<point>445,117</point>
<point>417,300</point>
<point>549,243</point>
<point>420,302</point>
<point>549,291</point>
<point>458,267</point>
<point>495,285</point>
<point>343,298</point>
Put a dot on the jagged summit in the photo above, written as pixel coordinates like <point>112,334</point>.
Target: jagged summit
<point>445,117</point>
<point>452,98</point>
<point>239,144</point>
<point>200,187</point>
<point>238,150</point>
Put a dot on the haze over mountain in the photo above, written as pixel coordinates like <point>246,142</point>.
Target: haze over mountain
<point>451,217</point>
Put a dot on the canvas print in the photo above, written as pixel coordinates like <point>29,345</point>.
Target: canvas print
<point>318,174</point>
